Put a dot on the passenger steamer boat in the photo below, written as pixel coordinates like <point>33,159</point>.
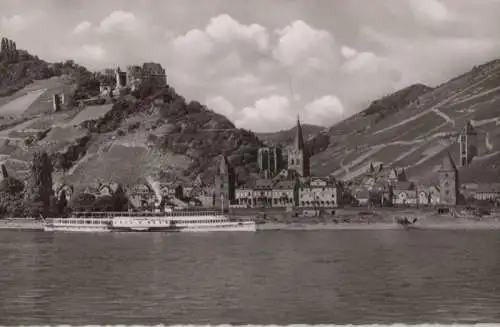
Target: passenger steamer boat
<point>168,221</point>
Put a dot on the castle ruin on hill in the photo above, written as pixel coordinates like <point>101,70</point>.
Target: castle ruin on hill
<point>134,75</point>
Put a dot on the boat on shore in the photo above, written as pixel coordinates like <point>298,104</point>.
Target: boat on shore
<point>146,221</point>
<point>406,222</point>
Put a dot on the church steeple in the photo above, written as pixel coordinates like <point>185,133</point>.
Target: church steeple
<point>298,158</point>
<point>299,138</point>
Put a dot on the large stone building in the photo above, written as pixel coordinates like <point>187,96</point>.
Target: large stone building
<point>318,193</point>
<point>266,193</point>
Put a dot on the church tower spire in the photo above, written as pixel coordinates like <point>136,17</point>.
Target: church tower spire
<point>299,137</point>
<point>298,158</point>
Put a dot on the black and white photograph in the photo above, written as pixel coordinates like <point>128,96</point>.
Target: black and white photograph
<point>249,162</point>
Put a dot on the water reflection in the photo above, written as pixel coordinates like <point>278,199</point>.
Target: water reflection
<point>279,277</point>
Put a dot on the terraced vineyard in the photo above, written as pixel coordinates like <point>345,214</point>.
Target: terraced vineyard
<point>426,128</point>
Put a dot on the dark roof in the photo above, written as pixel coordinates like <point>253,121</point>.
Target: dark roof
<point>299,138</point>
<point>284,185</point>
<point>488,188</point>
<point>263,184</point>
<point>448,165</point>
<point>404,186</point>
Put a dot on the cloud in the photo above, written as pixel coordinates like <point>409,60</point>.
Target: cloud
<point>224,28</point>
<point>119,21</point>
<point>337,55</point>
<point>430,11</point>
<point>15,23</point>
<point>93,52</point>
<point>302,46</point>
<point>324,111</point>
<point>360,62</point>
<point>347,52</point>
<point>248,84</point>
<point>267,114</point>
<point>194,44</point>
<point>220,105</point>
<point>82,27</point>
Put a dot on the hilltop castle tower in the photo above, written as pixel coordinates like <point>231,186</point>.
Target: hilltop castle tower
<point>448,181</point>
<point>224,184</point>
<point>298,158</point>
<point>121,78</point>
<point>468,145</point>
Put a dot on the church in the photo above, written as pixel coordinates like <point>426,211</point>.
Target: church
<point>285,187</point>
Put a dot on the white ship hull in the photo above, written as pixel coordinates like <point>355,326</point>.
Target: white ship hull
<point>151,222</point>
<point>191,223</point>
<point>77,224</point>
<point>88,229</point>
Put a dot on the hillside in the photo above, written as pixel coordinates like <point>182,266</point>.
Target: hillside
<point>152,131</point>
<point>287,136</point>
<point>413,127</point>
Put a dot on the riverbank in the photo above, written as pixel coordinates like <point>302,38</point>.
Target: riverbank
<point>423,223</point>
<point>378,221</point>
<point>21,224</point>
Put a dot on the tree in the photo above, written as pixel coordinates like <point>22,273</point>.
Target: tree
<point>11,186</point>
<point>83,202</point>
<point>120,199</point>
<point>104,203</point>
<point>11,198</point>
<point>39,188</point>
<point>62,203</point>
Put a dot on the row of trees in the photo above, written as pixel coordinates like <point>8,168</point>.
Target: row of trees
<point>8,50</point>
<point>37,198</point>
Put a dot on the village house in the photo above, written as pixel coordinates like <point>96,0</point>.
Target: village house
<point>318,192</point>
<point>243,197</point>
<point>404,193</point>
<point>142,196</point>
<point>170,189</point>
<point>262,193</point>
<point>63,189</point>
<point>382,191</point>
<point>487,192</point>
<point>285,193</point>
<point>428,195</point>
<point>362,196</point>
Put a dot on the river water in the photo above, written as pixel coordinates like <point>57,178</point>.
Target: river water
<point>280,277</point>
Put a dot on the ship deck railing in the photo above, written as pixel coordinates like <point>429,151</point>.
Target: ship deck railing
<point>146,214</point>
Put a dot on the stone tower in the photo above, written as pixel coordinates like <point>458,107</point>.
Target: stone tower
<point>448,181</point>
<point>121,78</point>
<point>224,184</point>
<point>468,145</point>
<point>56,102</point>
<point>298,158</point>
<point>269,160</point>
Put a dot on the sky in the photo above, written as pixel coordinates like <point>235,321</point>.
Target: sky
<point>263,62</point>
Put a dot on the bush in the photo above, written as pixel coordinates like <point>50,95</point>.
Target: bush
<point>11,186</point>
